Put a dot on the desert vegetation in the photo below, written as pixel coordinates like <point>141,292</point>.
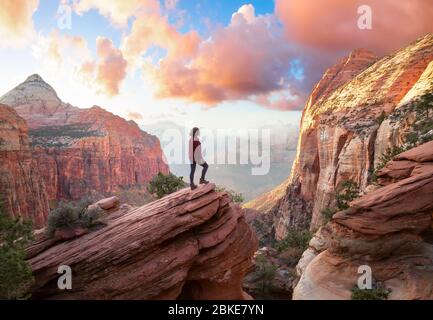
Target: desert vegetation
<point>346,192</point>
<point>60,136</point>
<point>165,184</point>
<point>15,273</point>
<point>264,274</point>
<point>70,215</point>
<point>378,292</point>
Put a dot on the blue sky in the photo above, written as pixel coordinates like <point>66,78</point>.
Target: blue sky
<point>92,24</point>
<point>203,16</point>
<point>218,64</point>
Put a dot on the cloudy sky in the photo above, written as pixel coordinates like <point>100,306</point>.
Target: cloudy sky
<point>212,63</point>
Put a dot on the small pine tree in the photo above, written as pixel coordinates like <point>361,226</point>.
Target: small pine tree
<point>346,192</point>
<point>298,239</point>
<point>388,155</point>
<point>425,104</point>
<point>165,184</point>
<point>327,214</point>
<point>15,273</point>
<point>265,272</point>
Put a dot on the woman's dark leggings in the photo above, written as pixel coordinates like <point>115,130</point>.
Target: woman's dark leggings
<point>203,173</point>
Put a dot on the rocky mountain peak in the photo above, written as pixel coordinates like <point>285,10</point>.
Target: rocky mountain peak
<point>362,53</point>
<point>35,78</point>
<point>33,88</point>
<point>33,96</point>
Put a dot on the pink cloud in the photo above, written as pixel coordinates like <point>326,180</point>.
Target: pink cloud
<point>109,69</point>
<point>282,100</point>
<point>16,24</point>
<point>248,57</point>
<point>61,48</point>
<point>332,25</point>
<point>155,30</point>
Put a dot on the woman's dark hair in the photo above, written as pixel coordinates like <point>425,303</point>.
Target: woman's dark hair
<point>194,131</point>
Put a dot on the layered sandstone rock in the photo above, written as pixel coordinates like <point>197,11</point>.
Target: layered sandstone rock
<point>83,151</point>
<point>407,164</point>
<point>188,245</point>
<point>389,230</point>
<point>342,136</point>
<point>22,189</point>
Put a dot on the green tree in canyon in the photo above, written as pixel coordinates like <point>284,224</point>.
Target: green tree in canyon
<point>15,273</point>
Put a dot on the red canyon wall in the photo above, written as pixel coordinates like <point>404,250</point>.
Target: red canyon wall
<point>81,151</point>
<point>21,184</point>
<point>341,135</point>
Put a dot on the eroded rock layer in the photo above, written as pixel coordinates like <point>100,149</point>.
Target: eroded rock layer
<point>188,245</point>
<point>389,230</point>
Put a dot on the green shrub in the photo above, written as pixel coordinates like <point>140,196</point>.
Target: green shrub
<point>388,155</point>
<point>424,105</point>
<point>91,217</point>
<point>73,215</point>
<point>15,273</point>
<point>376,293</point>
<point>412,138</point>
<point>346,192</point>
<point>425,126</point>
<point>165,184</point>
<point>328,213</point>
<point>265,272</point>
<point>298,239</point>
<point>427,138</point>
<point>234,196</point>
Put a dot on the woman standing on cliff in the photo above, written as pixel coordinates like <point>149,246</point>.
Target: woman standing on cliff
<point>196,157</point>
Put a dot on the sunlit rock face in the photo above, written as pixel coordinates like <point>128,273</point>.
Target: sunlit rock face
<point>342,136</point>
<point>22,188</point>
<point>79,152</point>
<point>389,230</point>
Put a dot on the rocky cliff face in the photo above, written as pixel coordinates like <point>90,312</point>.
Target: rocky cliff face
<point>389,230</point>
<point>83,151</point>
<point>355,113</point>
<point>22,188</point>
<point>188,245</point>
